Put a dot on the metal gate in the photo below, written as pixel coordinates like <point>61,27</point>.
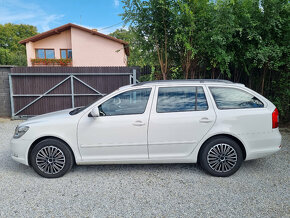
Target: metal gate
<point>37,93</point>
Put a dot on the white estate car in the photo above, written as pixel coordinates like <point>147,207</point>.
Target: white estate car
<point>214,122</point>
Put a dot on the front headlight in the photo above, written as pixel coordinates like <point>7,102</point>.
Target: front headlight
<point>20,131</point>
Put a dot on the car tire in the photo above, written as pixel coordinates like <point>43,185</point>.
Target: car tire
<point>51,158</point>
<point>221,157</point>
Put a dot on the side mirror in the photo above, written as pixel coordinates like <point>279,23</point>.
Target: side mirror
<point>94,112</point>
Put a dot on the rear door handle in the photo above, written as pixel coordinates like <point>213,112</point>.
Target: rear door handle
<point>205,120</point>
<point>138,123</point>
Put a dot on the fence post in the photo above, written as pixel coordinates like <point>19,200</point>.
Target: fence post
<point>72,91</point>
<point>11,95</point>
<point>134,77</point>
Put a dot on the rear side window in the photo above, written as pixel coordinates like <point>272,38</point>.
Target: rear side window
<point>181,99</point>
<point>231,98</point>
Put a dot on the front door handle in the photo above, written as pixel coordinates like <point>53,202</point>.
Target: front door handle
<point>138,123</point>
<point>205,120</point>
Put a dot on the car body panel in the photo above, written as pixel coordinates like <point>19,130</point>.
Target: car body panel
<point>176,134</point>
<point>125,139</point>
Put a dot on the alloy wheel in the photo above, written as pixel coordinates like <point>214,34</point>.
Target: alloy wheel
<point>222,157</point>
<point>50,160</point>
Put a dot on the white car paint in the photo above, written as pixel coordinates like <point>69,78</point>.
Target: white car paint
<point>153,137</point>
<point>181,132</point>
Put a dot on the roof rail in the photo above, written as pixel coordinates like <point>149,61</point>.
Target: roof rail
<point>186,81</point>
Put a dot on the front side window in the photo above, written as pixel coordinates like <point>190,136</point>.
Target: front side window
<point>45,53</point>
<point>231,98</point>
<point>126,103</point>
<point>66,53</point>
<point>181,99</point>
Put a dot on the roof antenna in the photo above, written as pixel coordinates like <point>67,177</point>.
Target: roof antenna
<point>80,19</point>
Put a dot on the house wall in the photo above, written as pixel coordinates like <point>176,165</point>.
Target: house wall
<point>30,52</point>
<point>56,42</point>
<point>93,50</point>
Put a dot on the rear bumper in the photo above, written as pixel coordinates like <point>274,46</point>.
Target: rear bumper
<point>264,146</point>
<point>19,150</point>
<point>262,153</point>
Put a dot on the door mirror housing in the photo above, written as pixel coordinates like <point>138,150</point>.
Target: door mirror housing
<point>94,112</point>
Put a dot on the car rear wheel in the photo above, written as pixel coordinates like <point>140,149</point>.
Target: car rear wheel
<point>221,157</point>
<point>51,158</point>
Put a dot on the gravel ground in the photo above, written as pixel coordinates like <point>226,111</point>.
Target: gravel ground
<point>259,189</point>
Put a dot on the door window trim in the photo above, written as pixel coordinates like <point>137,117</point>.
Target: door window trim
<point>182,86</point>
<point>150,95</point>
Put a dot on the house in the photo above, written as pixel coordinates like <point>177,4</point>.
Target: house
<point>74,45</point>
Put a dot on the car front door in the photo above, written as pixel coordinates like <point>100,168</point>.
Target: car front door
<point>120,132</point>
<point>180,117</point>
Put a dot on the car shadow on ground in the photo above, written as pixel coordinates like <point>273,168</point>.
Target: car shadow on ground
<point>139,167</point>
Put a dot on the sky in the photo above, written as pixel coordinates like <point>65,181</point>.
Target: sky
<point>48,14</point>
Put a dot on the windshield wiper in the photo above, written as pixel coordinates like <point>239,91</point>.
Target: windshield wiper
<point>76,111</point>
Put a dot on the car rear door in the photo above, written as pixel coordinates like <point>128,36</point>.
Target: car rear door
<point>180,117</point>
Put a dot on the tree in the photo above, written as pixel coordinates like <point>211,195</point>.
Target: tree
<point>152,22</point>
<point>11,52</point>
<point>138,56</point>
<point>191,15</point>
<point>244,41</point>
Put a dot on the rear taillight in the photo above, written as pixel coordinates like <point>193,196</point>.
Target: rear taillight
<point>275,119</point>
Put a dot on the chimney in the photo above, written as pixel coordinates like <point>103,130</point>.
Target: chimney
<point>95,30</point>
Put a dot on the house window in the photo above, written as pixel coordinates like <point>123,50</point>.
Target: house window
<point>66,53</point>
<point>45,53</point>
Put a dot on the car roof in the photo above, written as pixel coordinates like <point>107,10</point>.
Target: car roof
<point>184,82</point>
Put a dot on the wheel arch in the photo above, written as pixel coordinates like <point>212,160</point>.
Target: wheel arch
<point>238,141</point>
<point>43,138</point>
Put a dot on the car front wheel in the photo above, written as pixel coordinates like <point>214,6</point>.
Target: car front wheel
<point>221,157</point>
<point>51,158</point>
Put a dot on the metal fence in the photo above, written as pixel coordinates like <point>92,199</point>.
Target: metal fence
<point>33,93</point>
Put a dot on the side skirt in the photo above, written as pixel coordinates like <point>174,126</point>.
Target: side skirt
<point>139,161</point>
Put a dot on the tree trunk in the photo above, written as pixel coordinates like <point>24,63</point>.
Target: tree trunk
<point>235,75</point>
<point>263,79</point>
<point>164,75</point>
<point>193,68</point>
<point>213,72</point>
<point>187,64</point>
<point>163,66</point>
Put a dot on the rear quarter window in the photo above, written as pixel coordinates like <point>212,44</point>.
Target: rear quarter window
<point>232,98</point>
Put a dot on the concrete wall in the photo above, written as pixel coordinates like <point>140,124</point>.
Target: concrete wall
<point>5,108</point>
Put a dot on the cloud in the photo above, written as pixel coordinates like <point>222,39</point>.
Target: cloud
<point>47,21</point>
<point>116,3</point>
<point>17,11</point>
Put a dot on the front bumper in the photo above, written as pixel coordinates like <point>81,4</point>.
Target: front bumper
<point>19,150</point>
